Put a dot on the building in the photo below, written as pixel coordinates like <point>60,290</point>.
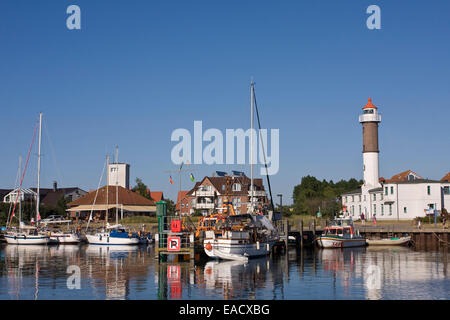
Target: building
<point>119,174</point>
<point>104,200</point>
<point>405,196</point>
<point>48,196</point>
<point>210,193</point>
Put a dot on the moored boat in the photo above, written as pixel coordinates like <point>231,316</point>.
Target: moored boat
<point>395,241</point>
<point>114,235</point>
<point>241,237</point>
<point>26,235</point>
<point>341,234</point>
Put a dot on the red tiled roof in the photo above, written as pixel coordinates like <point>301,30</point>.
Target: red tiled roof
<point>156,195</point>
<point>126,197</point>
<point>403,176</point>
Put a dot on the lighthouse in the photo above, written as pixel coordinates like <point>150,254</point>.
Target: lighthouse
<point>370,118</point>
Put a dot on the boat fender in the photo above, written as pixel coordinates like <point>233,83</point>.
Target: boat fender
<point>208,246</point>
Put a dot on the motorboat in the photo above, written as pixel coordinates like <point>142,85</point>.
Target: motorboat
<point>341,234</point>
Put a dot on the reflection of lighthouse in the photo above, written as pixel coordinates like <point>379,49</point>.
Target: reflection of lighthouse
<point>370,119</point>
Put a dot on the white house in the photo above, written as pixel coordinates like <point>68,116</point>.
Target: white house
<point>406,195</point>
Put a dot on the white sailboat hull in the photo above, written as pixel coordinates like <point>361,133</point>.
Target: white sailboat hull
<point>22,240</point>
<point>65,238</point>
<point>105,239</point>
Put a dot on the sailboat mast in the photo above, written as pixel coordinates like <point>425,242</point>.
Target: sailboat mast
<point>19,193</point>
<point>251,148</point>
<point>107,190</point>
<point>117,185</point>
<point>39,169</point>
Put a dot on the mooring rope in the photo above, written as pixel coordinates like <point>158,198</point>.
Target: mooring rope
<point>440,238</point>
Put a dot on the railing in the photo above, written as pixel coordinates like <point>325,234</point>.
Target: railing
<point>204,206</point>
<point>257,193</point>
<point>375,117</point>
<point>204,193</point>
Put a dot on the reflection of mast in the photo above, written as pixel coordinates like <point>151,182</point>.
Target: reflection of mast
<point>36,284</point>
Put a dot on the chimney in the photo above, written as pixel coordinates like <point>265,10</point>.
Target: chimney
<point>55,186</point>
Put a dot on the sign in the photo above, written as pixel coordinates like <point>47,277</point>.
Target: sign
<point>175,226</point>
<point>173,243</point>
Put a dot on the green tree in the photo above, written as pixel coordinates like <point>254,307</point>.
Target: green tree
<point>171,207</point>
<point>312,193</point>
<point>141,189</point>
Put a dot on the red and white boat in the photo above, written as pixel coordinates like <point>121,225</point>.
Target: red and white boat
<point>341,234</point>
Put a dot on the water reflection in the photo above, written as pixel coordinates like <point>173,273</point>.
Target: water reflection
<point>131,272</point>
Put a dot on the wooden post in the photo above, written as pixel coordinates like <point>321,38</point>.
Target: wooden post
<point>301,233</point>
<point>314,227</point>
<point>286,232</point>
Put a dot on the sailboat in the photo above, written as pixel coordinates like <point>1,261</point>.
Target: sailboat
<point>241,236</point>
<point>112,234</point>
<point>28,234</point>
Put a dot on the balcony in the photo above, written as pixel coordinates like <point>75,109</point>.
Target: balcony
<point>258,193</point>
<point>204,205</point>
<point>204,193</point>
<point>370,117</point>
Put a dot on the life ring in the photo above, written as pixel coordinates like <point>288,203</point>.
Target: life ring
<point>208,246</point>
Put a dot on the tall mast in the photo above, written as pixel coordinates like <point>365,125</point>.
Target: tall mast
<point>251,148</point>
<point>107,190</point>
<point>19,191</point>
<point>39,168</point>
<point>117,185</point>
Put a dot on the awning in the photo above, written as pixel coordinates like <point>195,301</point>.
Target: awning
<point>103,207</point>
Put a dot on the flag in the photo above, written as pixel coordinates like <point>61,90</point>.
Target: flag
<point>192,177</point>
<point>170,180</point>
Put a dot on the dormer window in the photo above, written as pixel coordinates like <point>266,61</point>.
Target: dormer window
<point>236,187</point>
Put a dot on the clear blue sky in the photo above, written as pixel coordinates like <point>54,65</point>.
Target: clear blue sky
<point>140,69</point>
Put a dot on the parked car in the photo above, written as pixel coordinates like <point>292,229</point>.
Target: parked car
<point>53,218</point>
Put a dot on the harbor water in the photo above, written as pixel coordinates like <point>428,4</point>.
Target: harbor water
<point>131,272</point>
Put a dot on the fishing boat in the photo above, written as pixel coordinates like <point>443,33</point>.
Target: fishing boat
<point>24,235</point>
<point>341,234</point>
<point>240,237</point>
<point>394,241</point>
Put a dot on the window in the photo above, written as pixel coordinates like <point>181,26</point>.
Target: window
<point>364,197</point>
<point>359,209</point>
<point>182,205</point>
<point>405,210</point>
<point>359,198</point>
<point>428,190</point>
<point>374,197</point>
<point>223,187</point>
<point>374,209</point>
<point>353,210</point>
<point>390,209</point>
<point>447,190</point>
<point>386,191</point>
<point>353,198</point>
<point>236,187</point>
<point>431,205</point>
<point>382,197</point>
<point>392,190</point>
<point>382,210</point>
<point>219,202</point>
<point>192,202</point>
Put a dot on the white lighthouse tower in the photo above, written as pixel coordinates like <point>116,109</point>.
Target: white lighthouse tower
<point>370,120</point>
